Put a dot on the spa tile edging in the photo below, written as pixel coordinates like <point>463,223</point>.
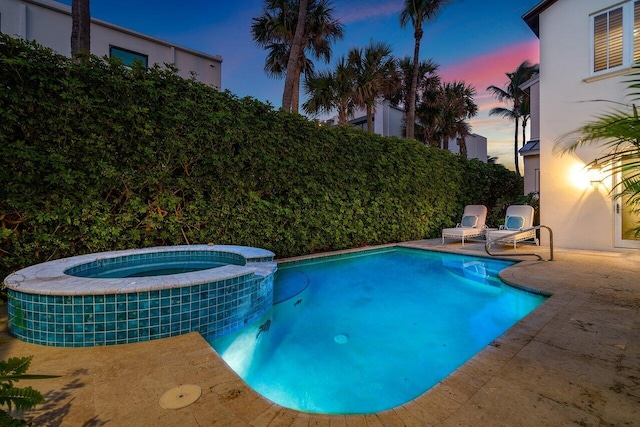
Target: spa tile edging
<point>49,307</point>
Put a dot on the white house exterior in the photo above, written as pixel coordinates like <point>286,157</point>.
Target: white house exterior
<point>476,147</point>
<point>388,120</point>
<point>586,48</point>
<point>530,152</point>
<point>49,23</point>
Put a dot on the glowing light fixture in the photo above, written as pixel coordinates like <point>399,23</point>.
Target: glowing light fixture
<point>594,173</point>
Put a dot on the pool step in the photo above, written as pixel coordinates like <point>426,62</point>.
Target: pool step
<point>474,270</point>
<point>288,284</point>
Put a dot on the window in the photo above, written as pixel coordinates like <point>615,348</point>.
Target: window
<point>636,31</point>
<point>607,40</point>
<point>616,37</point>
<point>128,57</point>
<point>360,123</point>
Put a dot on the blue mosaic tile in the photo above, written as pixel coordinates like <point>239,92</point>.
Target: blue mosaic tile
<point>213,308</point>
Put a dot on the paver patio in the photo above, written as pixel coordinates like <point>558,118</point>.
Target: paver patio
<point>574,361</point>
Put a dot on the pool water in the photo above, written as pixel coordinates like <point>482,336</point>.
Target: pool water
<point>373,330</point>
<point>148,269</point>
<point>154,264</point>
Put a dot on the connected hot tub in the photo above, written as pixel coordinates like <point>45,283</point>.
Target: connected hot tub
<point>141,294</point>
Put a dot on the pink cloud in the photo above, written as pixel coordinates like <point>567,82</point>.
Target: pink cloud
<point>489,69</point>
<point>355,14</point>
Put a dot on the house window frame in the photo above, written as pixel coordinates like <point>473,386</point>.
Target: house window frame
<point>132,52</point>
<point>628,21</point>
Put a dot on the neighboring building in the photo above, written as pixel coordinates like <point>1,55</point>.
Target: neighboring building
<point>476,146</point>
<point>530,152</point>
<point>388,120</point>
<point>587,48</point>
<point>49,23</point>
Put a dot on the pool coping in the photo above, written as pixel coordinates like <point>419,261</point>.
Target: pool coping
<point>49,278</point>
<point>571,361</point>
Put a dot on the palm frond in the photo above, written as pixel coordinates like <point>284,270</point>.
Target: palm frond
<point>22,398</point>
<point>14,366</point>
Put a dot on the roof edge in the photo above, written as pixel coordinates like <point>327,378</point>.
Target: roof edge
<point>532,17</point>
<point>65,9</point>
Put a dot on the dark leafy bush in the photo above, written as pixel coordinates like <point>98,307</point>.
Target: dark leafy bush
<point>491,185</point>
<point>96,156</point>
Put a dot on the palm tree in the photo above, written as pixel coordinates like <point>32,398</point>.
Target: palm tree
<point>294,54</point>
<point>331,90</point>
<point>418,12</point>
<point>376,75</point>
<point>80,27</point>
<point>274,30</point>
<point>444,114</point>
<point>426,76</point>
<point>428,110</point>
<point>516,96</point>
<point>459,106</point>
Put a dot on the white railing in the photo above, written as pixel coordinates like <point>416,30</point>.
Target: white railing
<point>487,245</point>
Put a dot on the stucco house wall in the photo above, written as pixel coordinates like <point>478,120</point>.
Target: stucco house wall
<point>49,23</point>
<point>580,214</point>
<point>531,174</point>
<point>476,147</point>
<point>530,152</point>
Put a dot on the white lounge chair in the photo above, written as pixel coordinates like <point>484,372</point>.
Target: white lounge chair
<point>472,224</point>
<point>519,217</point>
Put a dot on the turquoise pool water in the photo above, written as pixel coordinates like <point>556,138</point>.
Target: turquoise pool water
<point>367,332</point>
<point>160,264</point>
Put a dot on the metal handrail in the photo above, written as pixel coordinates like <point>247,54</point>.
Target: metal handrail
<point>537,227</point>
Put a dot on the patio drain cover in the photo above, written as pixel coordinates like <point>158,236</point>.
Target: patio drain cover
<point>181,396</point>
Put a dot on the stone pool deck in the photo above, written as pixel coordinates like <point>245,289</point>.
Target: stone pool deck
<point>574,361</point>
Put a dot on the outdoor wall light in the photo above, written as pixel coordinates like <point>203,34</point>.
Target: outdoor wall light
<point>594,173</point>
<point>586,177</point>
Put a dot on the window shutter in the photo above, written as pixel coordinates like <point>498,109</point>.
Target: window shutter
<point>636,31</point>
<point>615,38</point>
<point>608,40</point>
<point>600,42</point>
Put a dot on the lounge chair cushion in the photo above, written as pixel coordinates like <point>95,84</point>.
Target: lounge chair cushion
<point>469,221</point>
<point>514,223</point>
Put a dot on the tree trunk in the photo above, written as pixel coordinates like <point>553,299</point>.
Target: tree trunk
<point>342,114</point>
<point>294,55</point>
<point>411,96</point>
<point>295,95</point>
<point>462,143</point>
<point>80,27</point>
<point>369,118</point>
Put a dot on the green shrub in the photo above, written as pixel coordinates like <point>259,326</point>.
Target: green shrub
<point>97,156</point>
<point>491,185</point>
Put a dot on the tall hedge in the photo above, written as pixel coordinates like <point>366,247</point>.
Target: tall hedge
<point>96,156</point>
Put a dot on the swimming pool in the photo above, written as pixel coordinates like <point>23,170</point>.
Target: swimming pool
<point>136,295</point>
<point>372,330</point>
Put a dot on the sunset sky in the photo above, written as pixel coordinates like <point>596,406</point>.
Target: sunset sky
<point>476,41</point>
